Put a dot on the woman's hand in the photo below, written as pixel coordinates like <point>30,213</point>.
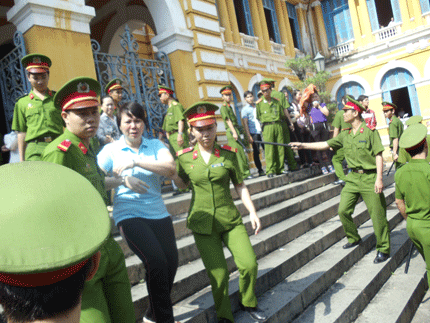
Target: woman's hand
<point>135,184</point>
<point>255,222</point>
<point>117,171</point>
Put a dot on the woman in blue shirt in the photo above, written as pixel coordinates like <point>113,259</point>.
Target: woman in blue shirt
<point>143,219</point>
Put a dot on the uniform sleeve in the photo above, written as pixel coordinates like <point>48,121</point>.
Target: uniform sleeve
<point>258,111</point>
<point>178,112</point>
<point>235,172</point>
<point>337,122</point>
<point>181,172</point>
<point>224,113</point>
<point>375,140</point>
<point>19,122</point>
<point>55,156</point>
<point>337,142</point>
<point>104,158</point>
<point>399,195</point>
<point>394,129</point>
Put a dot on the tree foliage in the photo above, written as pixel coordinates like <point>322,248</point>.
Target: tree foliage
<point>306,70</point>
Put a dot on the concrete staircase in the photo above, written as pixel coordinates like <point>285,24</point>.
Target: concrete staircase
<point>304,273</point>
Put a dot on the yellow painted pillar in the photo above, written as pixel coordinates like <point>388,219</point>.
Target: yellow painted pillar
<point>321,29</point>
<point>289,42</point>
<point>225,21</point>
<point>356,24</point>
<point>262,17</point>
<point>364,20</point>
<point>281,22</point>
<point>256,23</point>
<point>233,22</point>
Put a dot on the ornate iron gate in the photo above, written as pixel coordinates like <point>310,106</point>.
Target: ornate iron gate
<point>13,81</point>
<point>140,77</point>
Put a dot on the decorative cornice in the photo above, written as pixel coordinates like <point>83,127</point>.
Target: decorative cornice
<point>51,13</point>
<point>168,42</point>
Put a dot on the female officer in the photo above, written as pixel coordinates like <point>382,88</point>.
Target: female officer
<point>213,217</point>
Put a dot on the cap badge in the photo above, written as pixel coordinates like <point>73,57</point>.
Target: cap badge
<point>37,60</point>
<point>83,87</point>
<point>118,82</point>
<point>201,109</point>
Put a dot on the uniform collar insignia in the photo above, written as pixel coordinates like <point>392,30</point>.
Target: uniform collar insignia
<point>216,152</point>
<point>83,148</point>
<point>50,93</point>
<point>390,121</point>
<point>361,130</point>
<point>195,154</point>
<point>31,96</point>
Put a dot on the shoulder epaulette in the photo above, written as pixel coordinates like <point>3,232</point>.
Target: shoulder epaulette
<point>183,151</point>
<point>64,146</point>
<point>225,147</point>
<point>22,96</point>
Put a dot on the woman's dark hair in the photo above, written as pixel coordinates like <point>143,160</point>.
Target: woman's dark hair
<point>295,93</point>
<point>132,109</point>
<point>28,304</point>
<point>362,97</point>
<point>247,93</point>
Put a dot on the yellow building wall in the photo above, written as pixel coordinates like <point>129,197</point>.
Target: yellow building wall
<point>70,52</point>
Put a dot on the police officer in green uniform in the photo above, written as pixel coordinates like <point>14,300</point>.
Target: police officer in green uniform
<point>340,125</point>
<point>287,124</point>
<point>270,113</point>
<point>232,130</point>
<point>404,157</point>
<point>395,129</point>
<point>114,89</point>
<point>49,246</point>
<point>35,117</point>
<point>413,189</point>
<point>363,152</point>
<point>174,122</point>
<point>106,298</point>
<point>213,216</point>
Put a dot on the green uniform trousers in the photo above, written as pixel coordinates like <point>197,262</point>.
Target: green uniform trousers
<point>292,164</point>
<point>419,232</point>
<point>107,297</point>
<point>210,248</point>
<point>274,154</point>
<point>364,185</point>
<point>34,150</point>
<point>338,158</point>
<point>241,157</point>
<point>173,143</point>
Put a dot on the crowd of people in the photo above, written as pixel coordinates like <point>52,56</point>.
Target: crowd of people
<point>110,150</point>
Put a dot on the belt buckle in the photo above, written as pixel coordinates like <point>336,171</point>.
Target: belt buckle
<point>360,171</point>
<point>47,139</point>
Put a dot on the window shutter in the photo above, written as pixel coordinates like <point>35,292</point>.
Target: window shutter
<point>372,14</point>
<point>425,6</point>
<point>396,10</point>
<point>248,18</point>
<point>413,96</point>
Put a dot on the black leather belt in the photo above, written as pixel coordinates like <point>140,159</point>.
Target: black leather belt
<point>42,139</point>
<point>172,132</point>
<point>273,122</point>
<point>363,171</point>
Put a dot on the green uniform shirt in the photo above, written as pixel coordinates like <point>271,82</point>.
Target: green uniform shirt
<point>226,114</point>
<point>360,149</point>
<point>69,151</point>
<point>413,186</point>
<point>211,202</point>
<point>36,117</point>
<point>395,129</point>
<point>281,98</point>
<point>269,112</point>
<point>339,122</point>
<point>174,114</point>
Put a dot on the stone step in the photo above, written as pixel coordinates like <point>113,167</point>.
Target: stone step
<point>262,198</point>
<point>299,289</point>
<point>399,298</point>
<point>269,216</point>
<point>423,312</point>
<point>274,267</point>
<point>348,296</point>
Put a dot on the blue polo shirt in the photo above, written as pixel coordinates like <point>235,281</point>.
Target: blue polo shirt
<point>128,204</point>
<point>248,112</point>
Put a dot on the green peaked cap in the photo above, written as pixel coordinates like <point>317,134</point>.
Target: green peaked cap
<point>51,218</point>
<point>414,120</point>
<point>413,136</point>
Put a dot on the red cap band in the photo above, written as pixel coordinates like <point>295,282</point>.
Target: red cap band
<point>78,98</point>
<point>164,91</point>
<point>41,279</point>
<point>353,105</point>
<point>265,86</point>
<point>226,91</point>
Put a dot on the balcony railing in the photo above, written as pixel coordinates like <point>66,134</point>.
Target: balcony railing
<point>343,49</point>
<point>249,41</point>
<point>387,32</point>
<point>277,48</point>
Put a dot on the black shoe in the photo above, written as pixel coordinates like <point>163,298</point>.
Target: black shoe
<point>261,173</point>
<point>177,192</point>
<point>350,245</point>
<point>381,257</point>
<point>255,313</point>
<point>270,175</point>
<point>225,321</point>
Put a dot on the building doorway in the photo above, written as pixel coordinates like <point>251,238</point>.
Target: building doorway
<point>400,97</point>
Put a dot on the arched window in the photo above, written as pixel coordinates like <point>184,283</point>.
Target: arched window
<point>351,88</point>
